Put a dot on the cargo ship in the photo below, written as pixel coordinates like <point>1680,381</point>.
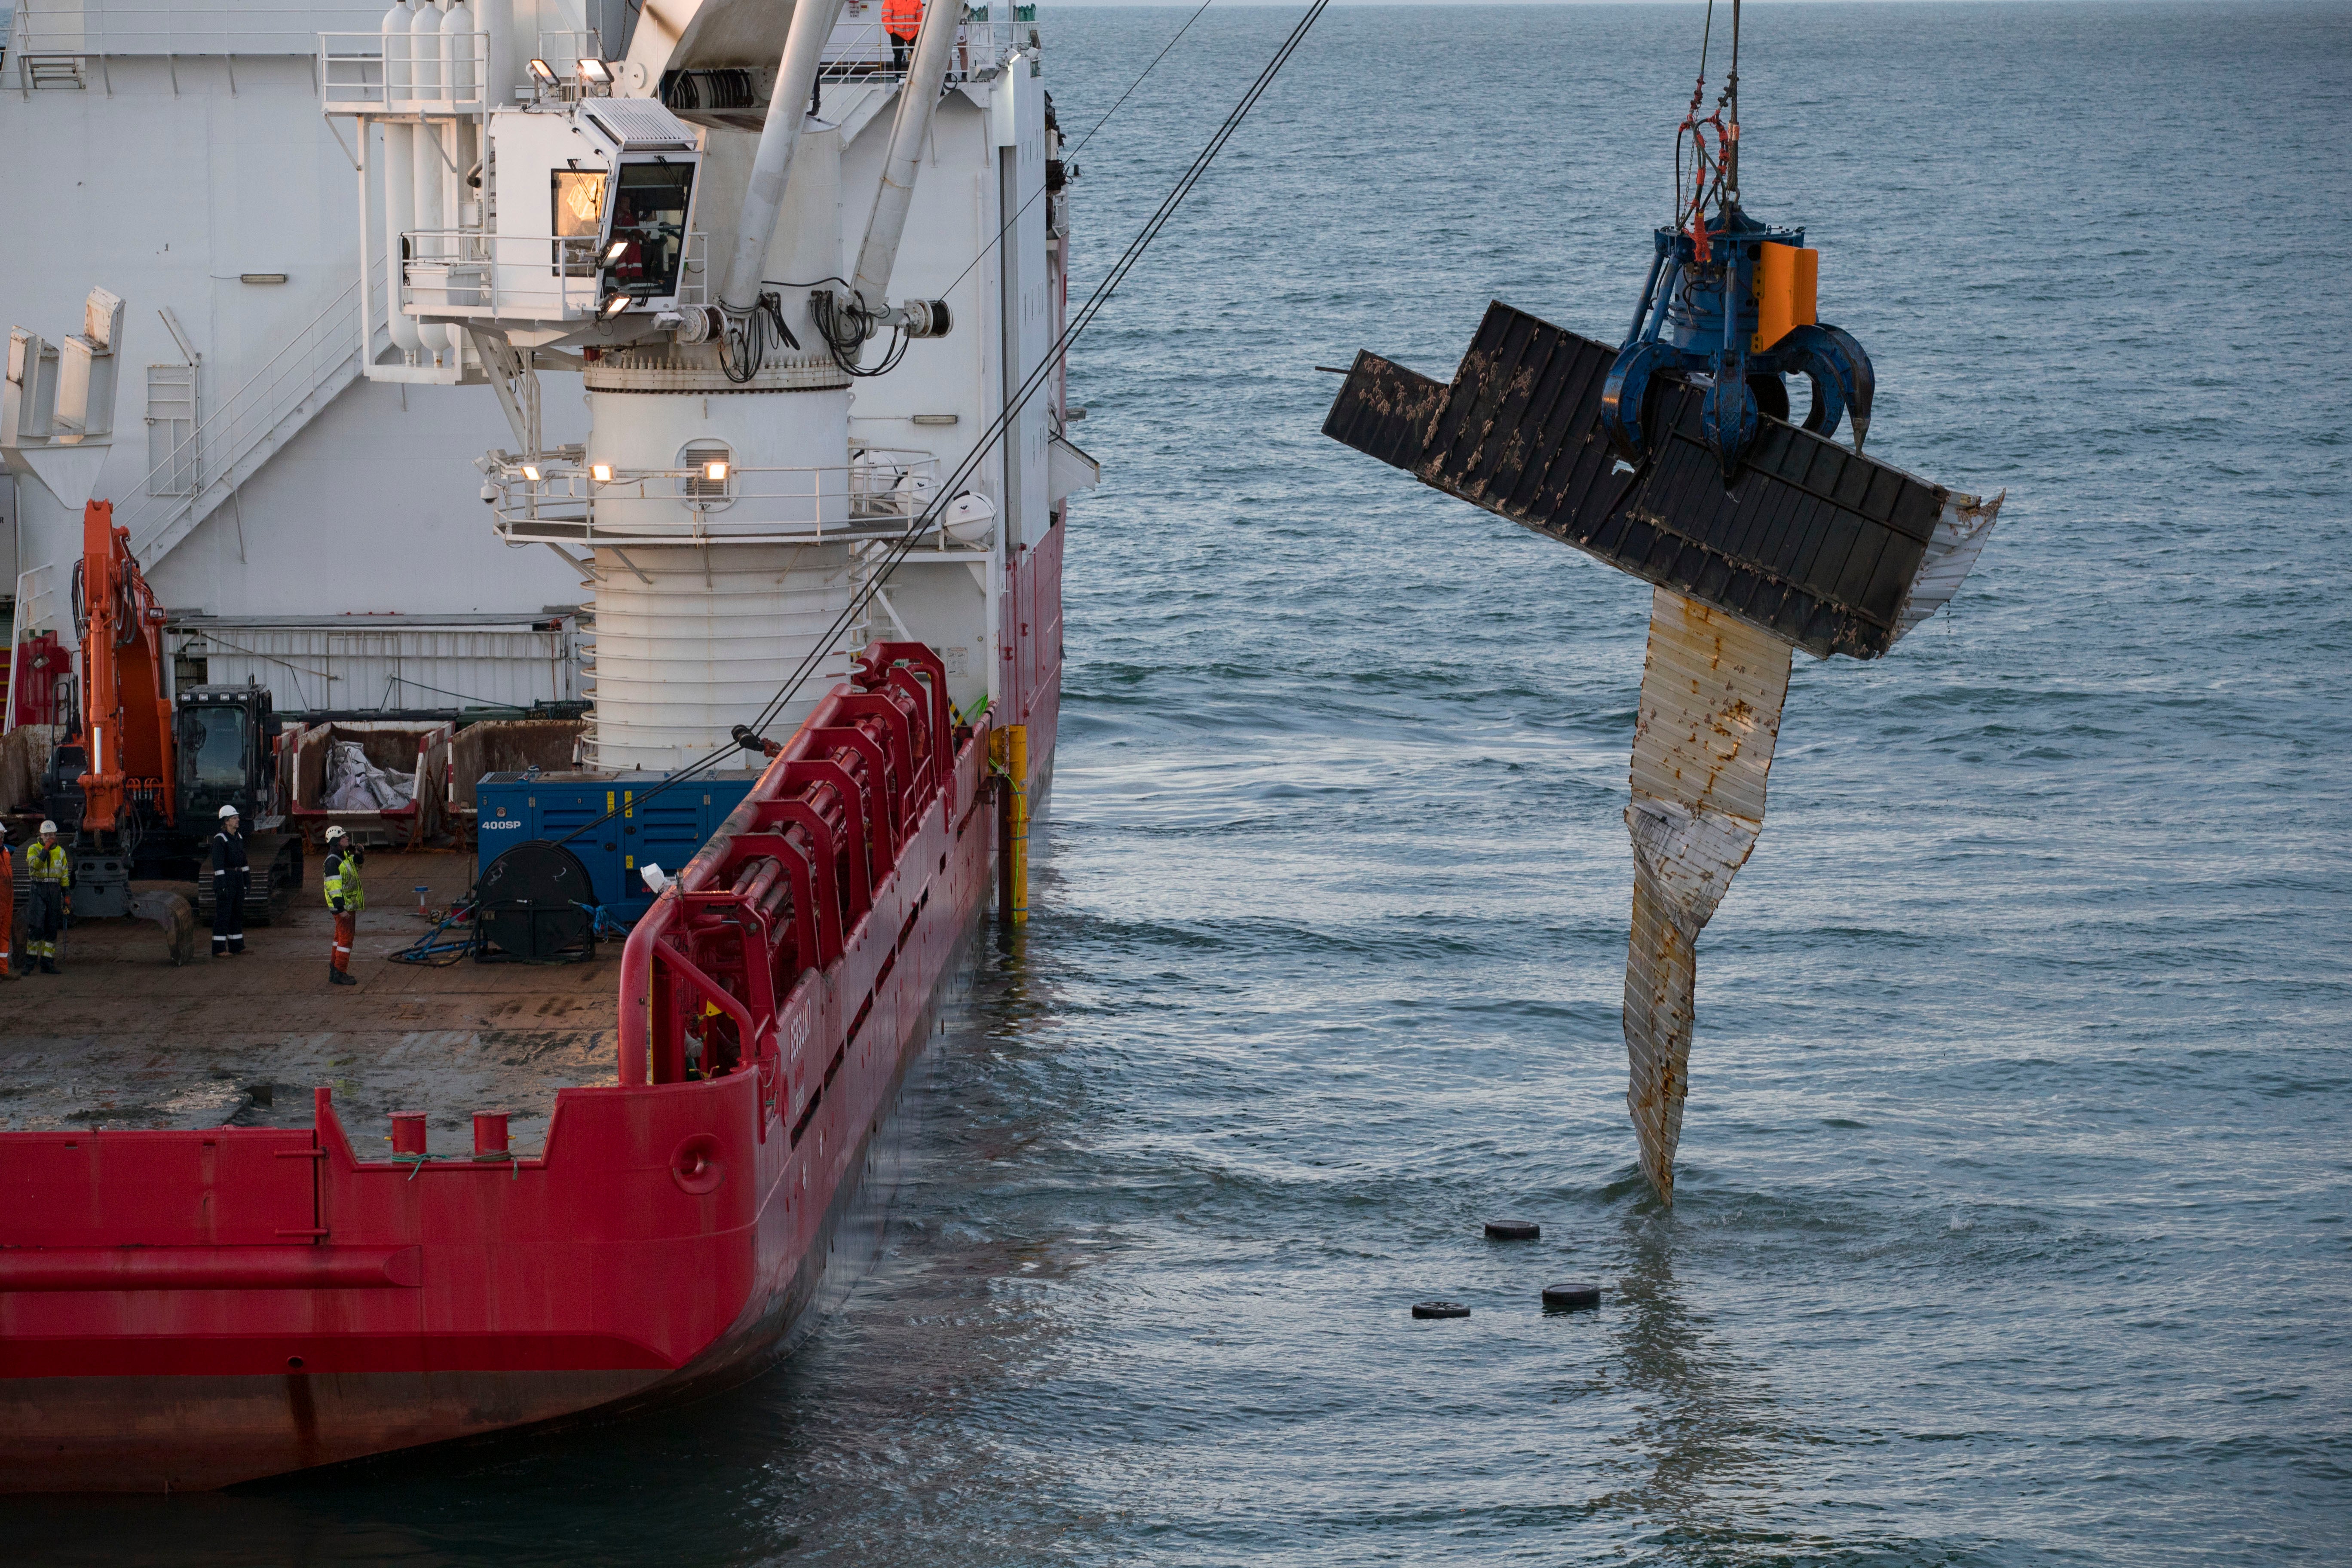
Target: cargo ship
<point>808,279</point>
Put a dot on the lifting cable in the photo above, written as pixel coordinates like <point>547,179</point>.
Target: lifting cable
<point>925,522</point>
<point>1052,358</point>
<point>1081,143</point>
<point>1715,174</point>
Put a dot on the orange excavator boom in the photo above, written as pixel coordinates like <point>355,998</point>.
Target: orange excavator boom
<point>126,712</point>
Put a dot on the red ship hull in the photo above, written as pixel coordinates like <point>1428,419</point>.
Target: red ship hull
<point>191,1309</point>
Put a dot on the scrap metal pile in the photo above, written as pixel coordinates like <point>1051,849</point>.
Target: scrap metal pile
<point>1670,458</point>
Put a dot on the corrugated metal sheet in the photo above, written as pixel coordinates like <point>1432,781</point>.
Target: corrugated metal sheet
<point>1811,542</point>
<point>1712,687</point>
<point>320,668</point>
<point>1959,538</point>
<point>1811,545</point>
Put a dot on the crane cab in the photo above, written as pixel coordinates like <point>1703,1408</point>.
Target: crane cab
<point>587,223</point>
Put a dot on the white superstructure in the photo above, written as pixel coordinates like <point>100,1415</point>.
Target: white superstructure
<point>455,360</point>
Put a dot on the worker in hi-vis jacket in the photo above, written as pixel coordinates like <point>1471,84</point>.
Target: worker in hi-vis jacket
<point>902,19</point>
<point>344,896</point>
<point>231,875</point>
<point>51,870</point>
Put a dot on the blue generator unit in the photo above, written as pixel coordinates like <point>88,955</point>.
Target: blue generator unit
<point>642,822</point>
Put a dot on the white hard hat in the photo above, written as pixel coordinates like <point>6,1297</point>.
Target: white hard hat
<point>227,812</point>
<point>334,833</point>
<point>48,827</point>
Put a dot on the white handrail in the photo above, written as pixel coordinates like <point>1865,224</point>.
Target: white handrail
<point>878,494</point>
<point>248,417</point>
<point>475,272</point>
<point>861,51</point>
<point>352,79</point>
<point>95,27</point>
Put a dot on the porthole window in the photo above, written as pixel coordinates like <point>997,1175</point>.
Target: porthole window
<point>709,482</point>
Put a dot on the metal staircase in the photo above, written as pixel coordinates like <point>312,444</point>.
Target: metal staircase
<point>234,439</point>
<point>52,73</point>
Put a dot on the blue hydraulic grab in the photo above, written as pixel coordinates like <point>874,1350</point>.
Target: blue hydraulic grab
<point>1729,307</point>
<point>1741,353</point>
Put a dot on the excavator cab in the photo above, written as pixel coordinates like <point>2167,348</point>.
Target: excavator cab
<point>227,753</point>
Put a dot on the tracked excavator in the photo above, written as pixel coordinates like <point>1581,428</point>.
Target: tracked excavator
<point>140,787</point>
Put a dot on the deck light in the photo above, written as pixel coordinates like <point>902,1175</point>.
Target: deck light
<point>715,472</point>
<point>601,472</point>
<point>595,73</point>
<point>530,473</point>
<point>542,73</point>
<point>615,305</point>
<point>614,251</point>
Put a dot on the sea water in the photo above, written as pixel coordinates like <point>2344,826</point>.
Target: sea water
<point>2012,1223</point>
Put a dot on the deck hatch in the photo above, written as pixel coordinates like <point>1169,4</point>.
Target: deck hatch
<point>223,1185</point>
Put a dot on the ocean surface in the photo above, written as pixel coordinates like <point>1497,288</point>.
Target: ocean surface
<point>2014,1221</point>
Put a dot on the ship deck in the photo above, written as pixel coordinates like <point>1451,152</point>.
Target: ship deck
<point>122,1040</point>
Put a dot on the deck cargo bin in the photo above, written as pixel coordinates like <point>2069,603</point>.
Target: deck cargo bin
<point>506,746</point>
<point>416,754</point>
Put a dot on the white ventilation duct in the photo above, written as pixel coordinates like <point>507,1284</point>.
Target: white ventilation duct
<point>917,96</point>
<point>771,164</point>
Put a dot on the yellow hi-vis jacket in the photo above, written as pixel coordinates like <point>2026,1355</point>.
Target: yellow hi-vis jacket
<point>343,890</point>
<point>47,863</point>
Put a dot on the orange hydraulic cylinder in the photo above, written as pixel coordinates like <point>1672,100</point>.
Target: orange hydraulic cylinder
<point>102,702</point>
<point>1787,287</point>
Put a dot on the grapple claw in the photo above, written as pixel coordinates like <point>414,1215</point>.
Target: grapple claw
<point>1738,313</point>
<point>1726,416</point>
<point>1625,395</point>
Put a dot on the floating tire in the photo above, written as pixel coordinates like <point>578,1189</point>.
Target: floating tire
<point>1440,1309</point>
<point>1568,1298</point>
<point>1513,1230</point>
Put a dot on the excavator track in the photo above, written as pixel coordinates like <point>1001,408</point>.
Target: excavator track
<point>282,854</point>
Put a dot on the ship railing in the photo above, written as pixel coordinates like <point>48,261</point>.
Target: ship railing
<point>861,51</point>
<point>354,77</point>
<point>221,450</point>
<point>450,273</point>
<point>873,496</point>
<point>98,29</point>
<point>563,50</point>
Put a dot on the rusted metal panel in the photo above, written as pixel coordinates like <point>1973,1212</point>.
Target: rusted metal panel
<point>1811,545</point>
<point>1712,687</point>
<point>1811,542</point>
<point>1386,410</point>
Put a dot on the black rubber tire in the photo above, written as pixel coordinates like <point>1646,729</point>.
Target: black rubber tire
<point>1569,1297</point>
<point>1513,1230</point>
<point>1440,1309</point>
